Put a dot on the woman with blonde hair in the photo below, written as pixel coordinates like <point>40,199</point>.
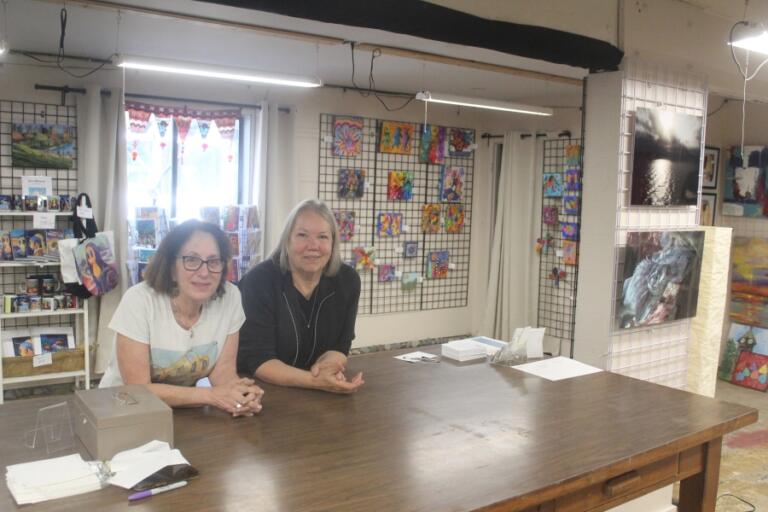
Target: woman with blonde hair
<point>300,307</point>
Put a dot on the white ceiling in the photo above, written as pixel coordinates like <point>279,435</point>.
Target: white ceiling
<point>98,32</point>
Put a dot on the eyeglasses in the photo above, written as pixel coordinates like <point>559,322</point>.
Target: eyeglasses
<point>193,263</point>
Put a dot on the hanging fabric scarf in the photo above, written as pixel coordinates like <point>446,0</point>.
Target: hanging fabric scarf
<point>226,126</point>
<point>204,125</point>
<point>162,122</point>
<point>182,125</point>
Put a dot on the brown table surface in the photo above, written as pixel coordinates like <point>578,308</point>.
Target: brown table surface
<point>421,436</point>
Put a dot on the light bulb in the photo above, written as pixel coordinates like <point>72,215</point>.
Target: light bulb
<point>3,47</point>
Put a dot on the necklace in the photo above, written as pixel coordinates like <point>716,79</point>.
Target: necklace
<point>185,323</point>
<point>311,311</point>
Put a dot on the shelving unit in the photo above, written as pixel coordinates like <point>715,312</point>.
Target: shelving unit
<point>12,273</point>
<point>80,326</point>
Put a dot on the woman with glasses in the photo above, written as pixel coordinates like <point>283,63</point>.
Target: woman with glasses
<point>300,307</point>
<point>182,324</point>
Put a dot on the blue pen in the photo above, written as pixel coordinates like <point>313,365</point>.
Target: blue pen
<point>156,490</point>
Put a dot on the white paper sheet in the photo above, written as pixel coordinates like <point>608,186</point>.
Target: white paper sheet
<point>557,368</point>
<point>418,357</point>
<point>133,466</point>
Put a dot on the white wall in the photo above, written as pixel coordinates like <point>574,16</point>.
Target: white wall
<point>17,82</point>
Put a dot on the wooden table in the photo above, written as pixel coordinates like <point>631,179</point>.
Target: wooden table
<point>433,437</point>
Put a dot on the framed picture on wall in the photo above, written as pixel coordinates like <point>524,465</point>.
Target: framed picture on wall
<point>708,204</point>
<point>711,162</point>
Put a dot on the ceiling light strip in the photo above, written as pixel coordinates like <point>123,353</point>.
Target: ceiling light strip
<point>218,72</point>
<point>503,106</point>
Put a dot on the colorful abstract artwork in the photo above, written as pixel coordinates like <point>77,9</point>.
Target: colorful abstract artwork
<point>396,138</point>
<point>746,190</point>
<point>549,215</point>
<point>572,180</point>
<point>451,184</point>
<point>386,273</point>
<point>553,184</point>
<point>410,249</point>
<point>351,183</point>
<point>433,144</point>
<point>454,218</point>
<point>570,249</point>
<point>347,136</point>
<point>437,264</point>
<point>749,281</point>
<point>389,224</point>
<point>430,218</point>
<point>400,186</point>
<point>345,220</point>
<point>362,258</point>
<point>569,230</point>
<point>661,277</point>
<point>749,338</point>
<point>751,371</point>
<point>460,142</point>
<point>409,280</point>
<point>543,245</point>
<point>573,155</point>
<point>666,157</point>
<point>570,205</point>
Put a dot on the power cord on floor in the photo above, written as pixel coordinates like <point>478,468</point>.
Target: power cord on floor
<point>753,509</point>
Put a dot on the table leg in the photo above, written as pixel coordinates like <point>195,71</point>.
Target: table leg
<point>698,493</point>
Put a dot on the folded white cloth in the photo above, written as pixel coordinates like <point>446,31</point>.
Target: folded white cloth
<point>33,482</point>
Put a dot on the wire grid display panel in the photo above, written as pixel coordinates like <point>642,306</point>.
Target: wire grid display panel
<point>557,297</point>
<point>655,353</point>
<point>12,279</point>
<point>388,297</point>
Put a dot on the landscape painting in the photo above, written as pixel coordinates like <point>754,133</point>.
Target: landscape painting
<point>666,157</point>
<point>749,281</point>
<point>49,146</point>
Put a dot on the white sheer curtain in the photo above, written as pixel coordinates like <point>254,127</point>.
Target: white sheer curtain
<point>276,188</point>
<point>509,301</point>
<point>102,175</point>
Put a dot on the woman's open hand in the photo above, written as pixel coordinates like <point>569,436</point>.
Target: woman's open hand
<point>328,374</point>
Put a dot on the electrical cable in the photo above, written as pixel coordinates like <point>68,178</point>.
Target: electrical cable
<point>62,55</point>
<point>745,75</point>
<point>738,498</point>
<point>372,82</point>
<point>718,109</point>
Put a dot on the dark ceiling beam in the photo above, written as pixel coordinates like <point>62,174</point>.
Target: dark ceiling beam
<point>429,21</point>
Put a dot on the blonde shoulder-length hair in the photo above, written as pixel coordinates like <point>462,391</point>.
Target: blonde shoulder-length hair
<point>280,255</point>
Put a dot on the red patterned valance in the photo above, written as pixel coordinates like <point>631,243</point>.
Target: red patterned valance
<point>166,111</point>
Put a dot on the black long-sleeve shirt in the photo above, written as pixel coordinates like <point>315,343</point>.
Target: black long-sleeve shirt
<point>281,324</point>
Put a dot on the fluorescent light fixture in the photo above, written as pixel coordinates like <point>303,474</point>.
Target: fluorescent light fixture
<point>753,43</point>
<point>212,71</point>
<point>503,106</point>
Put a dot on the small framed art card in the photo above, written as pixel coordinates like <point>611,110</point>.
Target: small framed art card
<point>711,162</point>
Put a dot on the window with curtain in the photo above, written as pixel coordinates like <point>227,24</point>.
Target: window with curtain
<point>181,159</point>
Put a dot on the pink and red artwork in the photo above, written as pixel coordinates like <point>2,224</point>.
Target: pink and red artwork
<point>751,371</point>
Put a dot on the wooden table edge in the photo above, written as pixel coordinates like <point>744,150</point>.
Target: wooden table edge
<point>570,485</point>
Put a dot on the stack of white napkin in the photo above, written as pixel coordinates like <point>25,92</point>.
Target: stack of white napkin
<point>49,479</point>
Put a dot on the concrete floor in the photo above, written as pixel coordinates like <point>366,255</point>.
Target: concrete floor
<point>744,465</point>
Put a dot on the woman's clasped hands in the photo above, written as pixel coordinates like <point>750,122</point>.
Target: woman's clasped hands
<point>239,397</point>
